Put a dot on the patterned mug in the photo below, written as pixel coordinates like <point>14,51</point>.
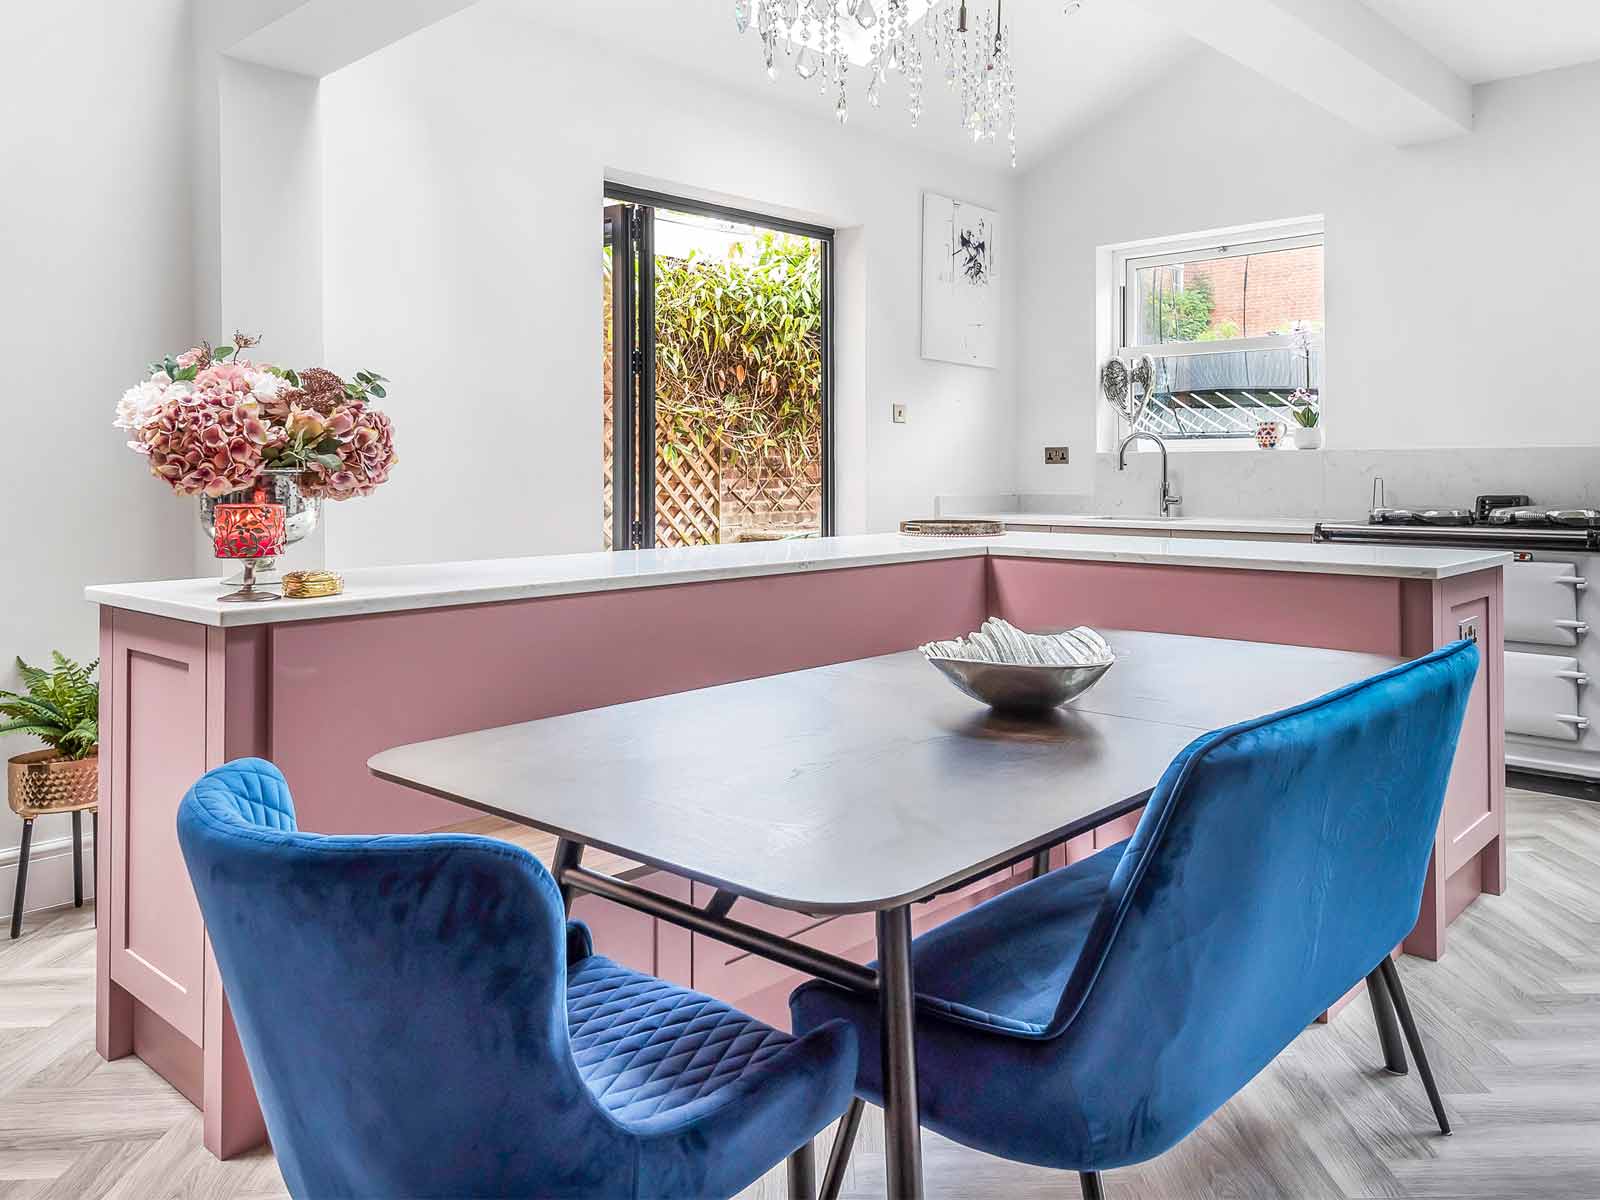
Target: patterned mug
<point>1269,434</point>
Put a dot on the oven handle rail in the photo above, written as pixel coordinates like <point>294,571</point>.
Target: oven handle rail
<point>1460,535</point>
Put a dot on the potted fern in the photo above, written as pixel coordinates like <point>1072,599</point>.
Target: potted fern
<point>62,709</point>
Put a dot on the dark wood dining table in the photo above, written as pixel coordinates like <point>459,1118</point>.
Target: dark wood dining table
<point>866,786</point>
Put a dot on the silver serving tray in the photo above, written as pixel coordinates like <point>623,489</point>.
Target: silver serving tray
<point>1020,687</point>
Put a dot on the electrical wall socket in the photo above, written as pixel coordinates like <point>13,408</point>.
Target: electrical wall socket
<point>1055,456</point>
<point>898,412</point>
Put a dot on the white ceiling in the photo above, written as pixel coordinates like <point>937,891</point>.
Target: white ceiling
<point>1070,69</point>
<point>1484,40</point>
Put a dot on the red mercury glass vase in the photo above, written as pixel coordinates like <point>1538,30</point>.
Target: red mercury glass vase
<point>250,530</point>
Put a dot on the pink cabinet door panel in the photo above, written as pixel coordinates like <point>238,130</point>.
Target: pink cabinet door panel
<point>1117,830</point>
<point>1473,810</point>
<point>636,940</point>
<point>761,987</point>
<point>158,748</point>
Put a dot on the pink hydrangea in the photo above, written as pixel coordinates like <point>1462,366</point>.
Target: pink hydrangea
<point>202,443</point>
<point>216,432</point>
<point>366,455</point>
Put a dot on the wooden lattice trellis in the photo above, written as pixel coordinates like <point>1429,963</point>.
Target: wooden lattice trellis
<point>689,497</point>
<point>705,497</point>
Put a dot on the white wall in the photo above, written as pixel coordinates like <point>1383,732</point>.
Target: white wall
<point>95,277</point>
<point>464,170</point>
<point>1460,275</point>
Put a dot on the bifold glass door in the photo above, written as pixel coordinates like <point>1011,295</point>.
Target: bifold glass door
<point>717,376</point>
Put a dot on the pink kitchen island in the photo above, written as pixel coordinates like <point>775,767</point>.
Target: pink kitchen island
<point>413,653</point>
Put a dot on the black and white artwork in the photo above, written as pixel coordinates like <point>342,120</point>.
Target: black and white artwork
<point>958,282</point>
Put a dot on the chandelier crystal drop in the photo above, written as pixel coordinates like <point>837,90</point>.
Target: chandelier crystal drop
<point>966,43</point>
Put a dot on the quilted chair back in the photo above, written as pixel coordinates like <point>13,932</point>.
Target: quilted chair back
<point>1276,865</point>
<point>400,1000</point>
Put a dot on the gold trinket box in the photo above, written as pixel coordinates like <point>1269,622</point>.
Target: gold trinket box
<point>309,585</point>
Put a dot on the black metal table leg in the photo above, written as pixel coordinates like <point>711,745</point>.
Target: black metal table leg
<point>1394,1050</point>
<point>77,859</point>
<point>567,855</point>
<point>897,1031</point>
<point>1093,1189</point>
<point>94,850</point>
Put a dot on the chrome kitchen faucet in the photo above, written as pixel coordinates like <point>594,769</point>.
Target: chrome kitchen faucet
<point>1169,499</point>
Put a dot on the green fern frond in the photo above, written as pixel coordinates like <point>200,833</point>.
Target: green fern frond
<point>34,677</point>
<point>61,709</point>
<point>50,735</point>
<point>12,705</point>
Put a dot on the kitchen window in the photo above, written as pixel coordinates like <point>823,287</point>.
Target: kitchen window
<point>1234,325</point>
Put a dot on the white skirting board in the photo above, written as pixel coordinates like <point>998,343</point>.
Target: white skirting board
<point>49,873</point>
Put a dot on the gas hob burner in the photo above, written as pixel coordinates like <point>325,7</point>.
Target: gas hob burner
<point>1422,516</point>
<point>1560,518</point>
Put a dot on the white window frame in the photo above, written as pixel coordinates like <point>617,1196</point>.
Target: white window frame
<point>1123,300</point>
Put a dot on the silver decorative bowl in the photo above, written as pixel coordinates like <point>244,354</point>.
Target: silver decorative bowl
<point>1020,687</point>
<point>273,486</point>
<point>1015,671</point>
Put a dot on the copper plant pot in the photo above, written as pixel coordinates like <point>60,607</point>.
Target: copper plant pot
<point>43,782</point>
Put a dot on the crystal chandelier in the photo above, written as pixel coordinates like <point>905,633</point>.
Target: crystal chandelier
<point>827,39</point>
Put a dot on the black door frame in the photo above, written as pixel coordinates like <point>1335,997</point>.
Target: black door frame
<point>630,231</point>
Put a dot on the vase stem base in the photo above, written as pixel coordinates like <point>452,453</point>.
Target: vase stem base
<point>248,595</point>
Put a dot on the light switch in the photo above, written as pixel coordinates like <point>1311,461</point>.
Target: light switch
<point>899,413</point>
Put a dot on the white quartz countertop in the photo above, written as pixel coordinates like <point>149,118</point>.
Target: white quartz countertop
<point>1285,526</point>
<point>442,585</point>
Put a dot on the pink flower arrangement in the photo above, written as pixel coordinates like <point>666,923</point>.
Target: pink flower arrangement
<point>210,421</point>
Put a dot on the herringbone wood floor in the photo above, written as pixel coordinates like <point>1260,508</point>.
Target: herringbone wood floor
<point>1512,1014</point>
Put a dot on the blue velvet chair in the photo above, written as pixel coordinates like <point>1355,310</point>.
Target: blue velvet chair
<point>1095,1016</point>
<point>421,1020</point>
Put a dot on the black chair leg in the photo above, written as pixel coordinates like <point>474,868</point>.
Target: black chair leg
<point>94,850</point>
<point>1092,1189</point>
<point>844,1141</point>
<point>22,879</point>
<point>803,1173</point>
<point>77,860</point>
<point>1394,1051</point>
<point>1414,1040</point>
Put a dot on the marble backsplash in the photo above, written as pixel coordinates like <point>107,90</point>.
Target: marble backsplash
<point>1325,484</point>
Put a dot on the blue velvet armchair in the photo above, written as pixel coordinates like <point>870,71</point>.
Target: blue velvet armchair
<point>421,1020</point>
<point>1095,1016</point>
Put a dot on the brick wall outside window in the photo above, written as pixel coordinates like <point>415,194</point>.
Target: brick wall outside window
<point>1284,286</point>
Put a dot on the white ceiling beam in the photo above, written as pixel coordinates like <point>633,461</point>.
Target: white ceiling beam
<point>317,37</point>
<point>1340,55</point>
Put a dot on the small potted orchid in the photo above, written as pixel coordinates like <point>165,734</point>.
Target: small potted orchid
<point>1307,420</point>
<point>214,424</point>
<point>1304,404</point>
